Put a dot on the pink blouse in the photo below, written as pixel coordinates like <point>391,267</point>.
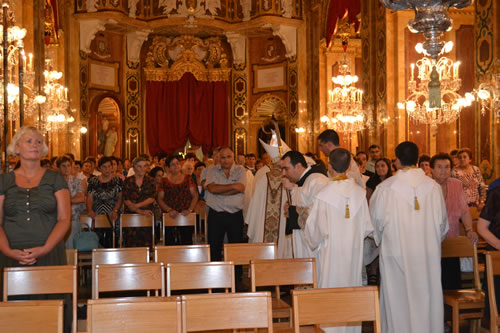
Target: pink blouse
<point>456,205</point>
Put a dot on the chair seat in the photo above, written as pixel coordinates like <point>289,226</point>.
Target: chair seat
<point>281,309</point>
<point>464,296</point>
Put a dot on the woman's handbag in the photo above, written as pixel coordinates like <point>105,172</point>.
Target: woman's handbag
<point>86,241</point>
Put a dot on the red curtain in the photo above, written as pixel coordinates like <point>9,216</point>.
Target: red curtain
<point>336,10</point>
<point>186,109</point>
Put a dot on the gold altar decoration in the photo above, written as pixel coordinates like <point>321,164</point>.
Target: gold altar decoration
<point>168,59</point>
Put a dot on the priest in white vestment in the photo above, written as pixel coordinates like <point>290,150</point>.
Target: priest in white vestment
<point>409,216</point>
<point>303,182</point>
<point>337,225</point>
<point>266,216</point>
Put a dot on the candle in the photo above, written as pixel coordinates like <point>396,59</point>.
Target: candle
<point>65,93</point>
<point>30,62</point>
<point>412,70</point>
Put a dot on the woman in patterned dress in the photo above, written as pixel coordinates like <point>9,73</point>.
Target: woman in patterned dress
<point>104,196</point>
<point>471,178</point>
<point>178,195</point>
<point>77,193</point>
<point>138,197</point>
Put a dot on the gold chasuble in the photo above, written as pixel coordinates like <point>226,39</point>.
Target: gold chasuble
<point>273,208</point>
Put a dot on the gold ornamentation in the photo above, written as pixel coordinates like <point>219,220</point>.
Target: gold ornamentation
<point>205,59</point>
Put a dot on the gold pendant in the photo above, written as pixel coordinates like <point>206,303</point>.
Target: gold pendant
<point>347,214</point>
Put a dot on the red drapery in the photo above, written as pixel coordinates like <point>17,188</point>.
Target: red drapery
<point>336,10</point>
<point>186,109</point>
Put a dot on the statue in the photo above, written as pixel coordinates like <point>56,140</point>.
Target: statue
<point>132,8</point>
<point>212,6</point>
<point>101,135</point>
<point>287,8</point>
<point>111,140</point>
<point>168,5</point>
<point>91,6</point>
<point>246,7</point>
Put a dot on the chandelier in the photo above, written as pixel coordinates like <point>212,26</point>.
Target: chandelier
<point>54,103</point>
<point>345,107</point>
<point>431,19</point>
<point>417,104</point>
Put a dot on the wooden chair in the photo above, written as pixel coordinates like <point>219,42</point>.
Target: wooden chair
<point>32,316</point>
<point>131,255</point>
<point>72,257</point>
<point>471,300</point>
<point>42,280</point>
<point>203,215</point>
<point>128,277</point>
<point>282,272</point>
<point>131,315</point>
<point>180,221</point>
<point>336,306</point>
<point>242,253</point>
<point>101,221</point>
<point>492,269</point>
<point>203,312</point>
<point>182,253</point>
<point>200,275</point>
<point>135,221</point>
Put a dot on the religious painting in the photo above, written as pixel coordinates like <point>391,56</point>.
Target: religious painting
<point>107,128</point>
<point>269,77</point>
<point>104,75</point>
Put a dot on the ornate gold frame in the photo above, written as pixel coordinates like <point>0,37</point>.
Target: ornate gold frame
<point>205,59</point>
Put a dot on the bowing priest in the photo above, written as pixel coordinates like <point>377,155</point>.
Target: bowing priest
<point>337,225</point>
<point>303,182</point>
<point>266,215</point>
<point>409,217</point>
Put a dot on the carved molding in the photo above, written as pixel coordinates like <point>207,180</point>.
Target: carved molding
<point>88,30</point>
<point>205,59</point>
<point>238,46</point>
<point>288,35</point>
<point>134,44</point>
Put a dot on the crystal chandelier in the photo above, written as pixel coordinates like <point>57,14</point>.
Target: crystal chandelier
<point>54,104</point>
<point>345,105</point>
<point>417,104</point>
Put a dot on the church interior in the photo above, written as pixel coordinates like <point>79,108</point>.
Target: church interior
<point>126,78</point>
<point>247,61</point>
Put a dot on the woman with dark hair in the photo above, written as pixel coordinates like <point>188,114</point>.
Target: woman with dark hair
<point>424,164</point>
<point>471,178</point>
<point>178,195</point>
<point>382,171</point>
<point>138,196</point>
<point>77,194</point>
<point>104,196</point>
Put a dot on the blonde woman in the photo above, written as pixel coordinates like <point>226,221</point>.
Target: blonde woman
<point>35,208</point>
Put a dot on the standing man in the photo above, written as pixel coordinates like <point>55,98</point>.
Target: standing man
<point>303,182</point>
<point>337,225</point>
<point>250,160</point>
<point>375,154</point>
<point>410,220</point>
<point>328,141</point>
<point>225,196</point>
